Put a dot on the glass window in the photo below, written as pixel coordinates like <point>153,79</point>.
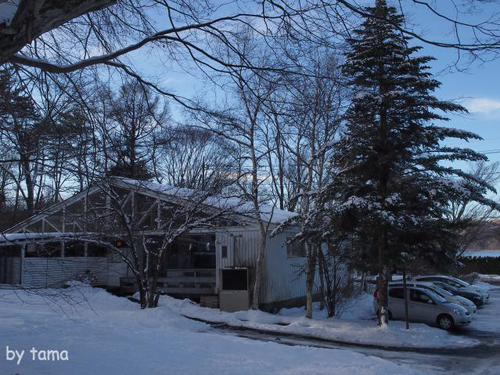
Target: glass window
<point>442,292</point>
<point>95,250</point>
<point>10,251</point>
<point>420,296</point>
<point>453,283</point>
<point>295,249</point>
<point>396,293</point>
<point>74,249</point>
<point>236,279</point>
<point>44,250</point>
<point>460,282</point>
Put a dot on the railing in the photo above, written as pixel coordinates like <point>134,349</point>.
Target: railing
<point>189,281</point>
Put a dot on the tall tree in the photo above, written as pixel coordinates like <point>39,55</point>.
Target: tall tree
<point>137,117</point>
<point>393,178</point>
<point>21,126</point>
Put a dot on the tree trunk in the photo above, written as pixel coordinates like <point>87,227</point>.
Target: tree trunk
<point>382,285</point>
<point>259,266</point>
<point>383,312</point>
<point>321,270</point>
<point>405,291</point>
<point>311,271</point>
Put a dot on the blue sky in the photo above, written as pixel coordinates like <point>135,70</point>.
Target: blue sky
<point>476,85</point>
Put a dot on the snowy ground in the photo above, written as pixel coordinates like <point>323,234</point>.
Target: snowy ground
<point>108,335</point>
<point>355,325</point>
<point>481,253</point>
<point>494,279</point>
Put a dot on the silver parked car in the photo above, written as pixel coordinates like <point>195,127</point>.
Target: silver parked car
<point>456,286</point>
<point>450,297</point>
<point>425,306</point>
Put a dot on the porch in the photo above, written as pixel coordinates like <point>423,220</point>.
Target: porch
<point>185,282</point>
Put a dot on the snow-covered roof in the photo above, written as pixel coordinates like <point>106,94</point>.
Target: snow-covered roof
<point>13,238</point>
<point>268,213</point>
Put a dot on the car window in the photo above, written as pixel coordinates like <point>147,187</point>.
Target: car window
<point>436,291</point>
<point>427,279</point>
<point>396,293</point>
<point>447,287</point>
<point>453,283</point>
<point>461,282</point>
<point>442,292</point>
<point>420,296</point>
<point>436,297</point>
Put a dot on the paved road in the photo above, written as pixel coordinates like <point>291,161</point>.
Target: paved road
<point>481,360</point>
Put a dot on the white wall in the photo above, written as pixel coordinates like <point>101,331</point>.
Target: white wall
<point>283,278</point>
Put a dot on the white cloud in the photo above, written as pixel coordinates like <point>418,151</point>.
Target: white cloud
<point>483,106</point>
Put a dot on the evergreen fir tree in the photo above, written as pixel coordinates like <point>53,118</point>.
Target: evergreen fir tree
<point>393,180</point>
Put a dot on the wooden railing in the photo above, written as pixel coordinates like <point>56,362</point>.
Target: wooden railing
<point>188,282</point>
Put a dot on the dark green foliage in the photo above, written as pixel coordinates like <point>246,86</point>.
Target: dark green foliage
<point>483,265</point>
<point>393,178</point>
<point>138,171</point>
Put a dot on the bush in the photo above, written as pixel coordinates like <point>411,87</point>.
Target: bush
<point>484,265</point>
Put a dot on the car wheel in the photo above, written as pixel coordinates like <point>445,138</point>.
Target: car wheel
<point>445,322</point>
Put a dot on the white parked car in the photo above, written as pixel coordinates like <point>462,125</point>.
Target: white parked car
<point>450,297</point>
<point>425,306</point>
<point>474,293</point>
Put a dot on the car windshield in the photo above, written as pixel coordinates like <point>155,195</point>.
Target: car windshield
<point>441,291</point>
<point>453,283</point>
<point>447,287</point>
<point>436,297</point>
<point>460,282</point>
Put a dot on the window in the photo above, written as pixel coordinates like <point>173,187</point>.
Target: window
<point>295,249</point>
<point>94,250</point>
<point>419,296</point>
<point>224,251</point>
<point>10,251</point>
<point>236,279</point>
<point>396,293</point>
<point>74,249</point>
<point>44,250</point>
<point>427,279</point>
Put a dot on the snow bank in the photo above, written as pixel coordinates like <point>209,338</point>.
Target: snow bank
<point>104,334</point>
<point>488,278</point>
<point>356,325</point>
<point>481,254</point>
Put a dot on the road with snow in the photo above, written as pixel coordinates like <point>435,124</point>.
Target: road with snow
<point>481,360</point>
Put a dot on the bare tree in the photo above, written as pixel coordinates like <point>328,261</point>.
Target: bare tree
<point>194,158</point>
<point>147,227</point>
<point>475,215</point>
<point>312,121</point>
<point>335,282</point>
<point>73,35</point>
<point>137,117</point>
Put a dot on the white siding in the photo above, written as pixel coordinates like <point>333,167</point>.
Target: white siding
<point>245,248</point>
<point>284,277</point>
